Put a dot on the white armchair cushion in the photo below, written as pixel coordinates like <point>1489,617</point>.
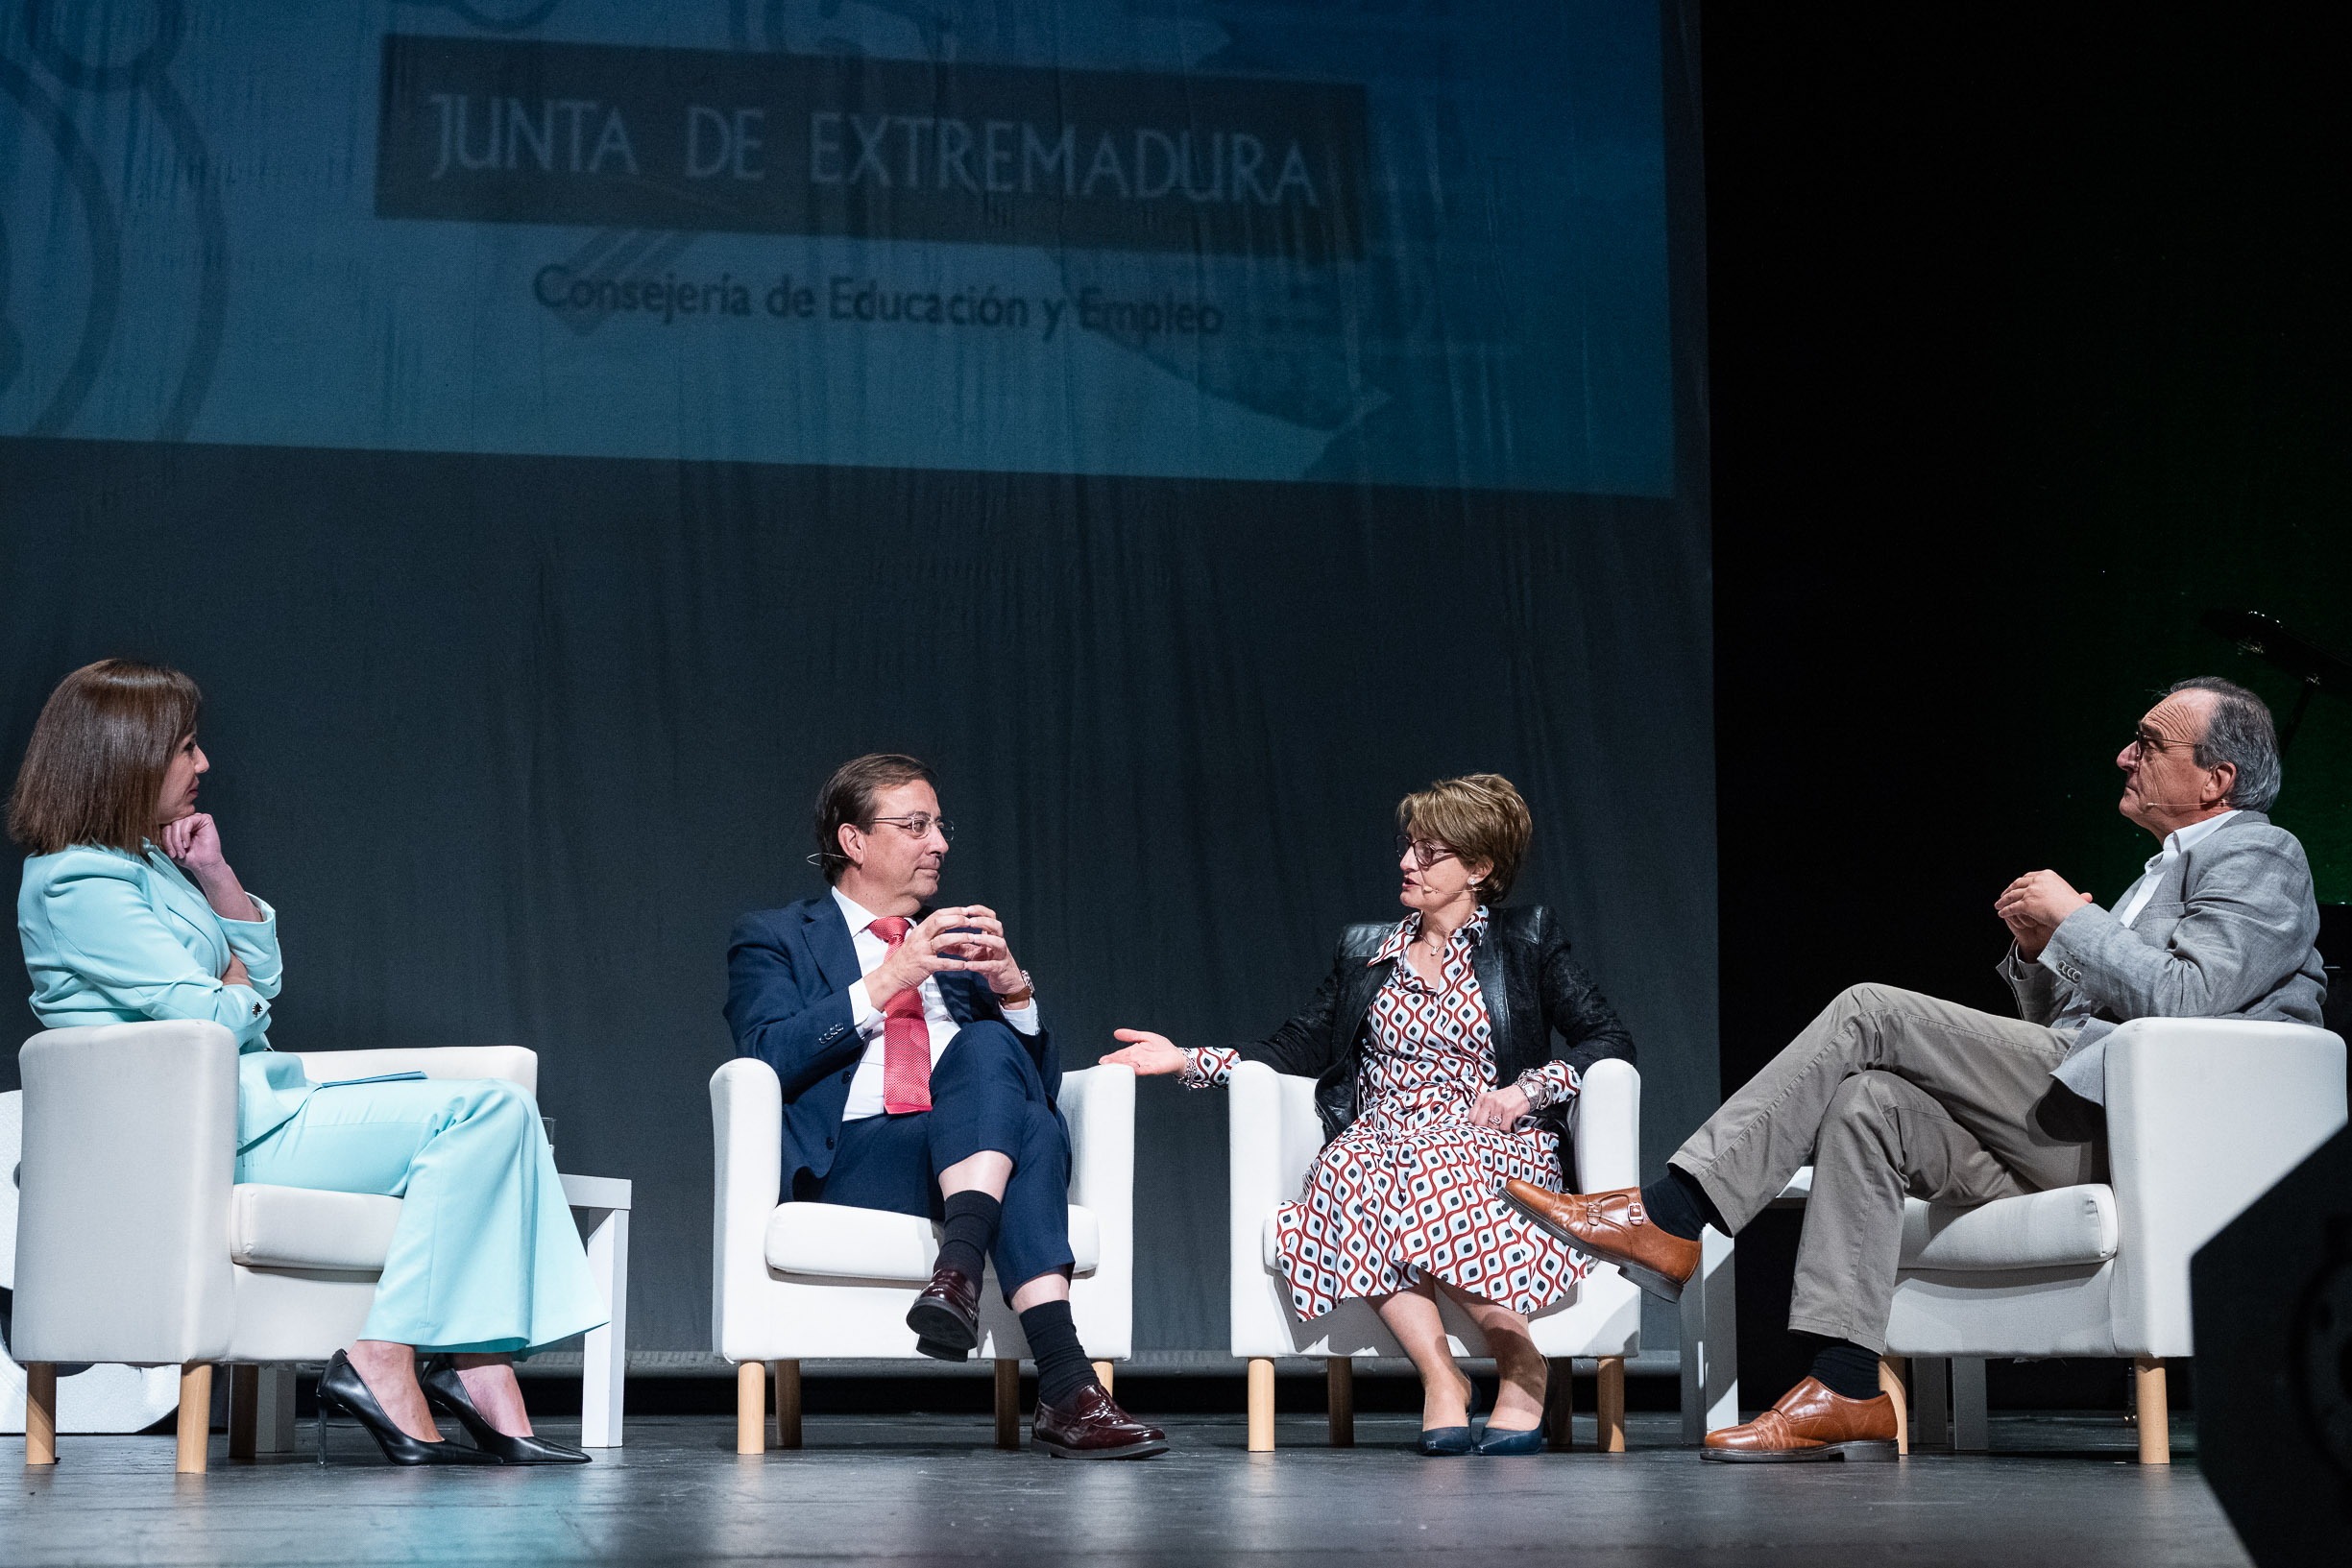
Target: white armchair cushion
<point>299,1227</point>
<point>838,1241</point>
<point>2063,1227</point>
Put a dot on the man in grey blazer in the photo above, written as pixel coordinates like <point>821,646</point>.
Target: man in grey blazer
<point>1890,1094</point>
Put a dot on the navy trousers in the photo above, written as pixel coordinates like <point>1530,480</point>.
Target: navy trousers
<point>986,1094</point>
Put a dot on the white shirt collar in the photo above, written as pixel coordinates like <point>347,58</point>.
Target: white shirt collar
<point>2181,840</point>
<point>859,916</point>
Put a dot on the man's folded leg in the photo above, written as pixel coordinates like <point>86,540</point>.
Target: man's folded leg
<point>1988,1071</point>
<point>1883,1138</point>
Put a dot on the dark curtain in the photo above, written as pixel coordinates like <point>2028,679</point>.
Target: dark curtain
<point>511,742</point>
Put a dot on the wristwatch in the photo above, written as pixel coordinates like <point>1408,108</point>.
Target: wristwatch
<point>1020,998</point>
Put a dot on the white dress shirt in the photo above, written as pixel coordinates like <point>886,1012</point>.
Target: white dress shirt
<point>865,1089</point>
<point>2177,843</point>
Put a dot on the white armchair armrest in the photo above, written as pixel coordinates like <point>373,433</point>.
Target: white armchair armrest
<point>122,1230</point>
<point>747,1132</point>
<point>1099,1102</point>
<point>512,1063</point>
<point>2205,1115</point>
<point>1606,1123</point>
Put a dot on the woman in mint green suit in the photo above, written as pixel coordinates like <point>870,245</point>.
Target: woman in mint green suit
<point>129,910</point>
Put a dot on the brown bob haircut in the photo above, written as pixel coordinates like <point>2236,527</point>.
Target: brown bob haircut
<point>99,753</point>
<point>848,800</point>
<point>1480,818</point>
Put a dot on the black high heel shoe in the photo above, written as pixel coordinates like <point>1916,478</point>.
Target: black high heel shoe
<point>446,1392</point>
<point>342,1389</point>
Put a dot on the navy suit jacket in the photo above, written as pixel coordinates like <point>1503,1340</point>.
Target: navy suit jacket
<point>788,974</point>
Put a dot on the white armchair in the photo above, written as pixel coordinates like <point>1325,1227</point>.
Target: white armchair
<point>797,1280</point>
<point>2204,1117</point>
<point>136,1246</point>
<point>1275,1134</point>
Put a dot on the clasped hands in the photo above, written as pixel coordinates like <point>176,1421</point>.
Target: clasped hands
<point>969,937</point>
<point>2033,905</point>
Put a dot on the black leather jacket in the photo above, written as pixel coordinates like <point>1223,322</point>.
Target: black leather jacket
<point>1530,990</point>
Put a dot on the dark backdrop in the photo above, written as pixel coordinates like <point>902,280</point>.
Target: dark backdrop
<point>2028,338</point>
<point>512,741</point>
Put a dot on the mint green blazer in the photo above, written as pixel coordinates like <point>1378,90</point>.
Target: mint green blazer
<point>115,938</point>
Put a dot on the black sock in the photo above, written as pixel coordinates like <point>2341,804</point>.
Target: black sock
<point>1062,1366</point>
<point>1678,1205</point>
<point>1846,1369</point>
<point>970,1231</point>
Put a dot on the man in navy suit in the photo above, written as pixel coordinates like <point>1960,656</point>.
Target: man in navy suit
<point>918,1078</point>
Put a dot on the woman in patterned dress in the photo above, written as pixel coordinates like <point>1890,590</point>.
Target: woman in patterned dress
<point>1438,1075</point>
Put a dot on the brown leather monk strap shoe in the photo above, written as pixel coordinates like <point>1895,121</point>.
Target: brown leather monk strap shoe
<point>946,1316</point>
<point>1613,1227</point>
<point>1090,1427</point>
<point>1809,1423</point>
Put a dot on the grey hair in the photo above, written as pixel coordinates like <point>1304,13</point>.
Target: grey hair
<point>2241,734</point>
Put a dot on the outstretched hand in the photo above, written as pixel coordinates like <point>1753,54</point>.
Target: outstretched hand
<point>1150,1055</point>
<point>2033,907</point>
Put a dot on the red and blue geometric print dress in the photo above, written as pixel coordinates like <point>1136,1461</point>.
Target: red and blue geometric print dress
<point>1411,1187</point>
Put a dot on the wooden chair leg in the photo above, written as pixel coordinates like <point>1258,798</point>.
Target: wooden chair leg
<point>787,1403</point>
<point>1261,1404</point>
<point>1102,1375</point>
<point>244,1410</point>
<point>751,1408</point>
<point>40,1413</point>
<point>195,1416</point>
<point>1612,1437</point>
<point>1008,1401</point>
<point>1890,1384</point>
<point>1340,1379</point>
<point>1560,1406</point>
<point>2155,1409</point>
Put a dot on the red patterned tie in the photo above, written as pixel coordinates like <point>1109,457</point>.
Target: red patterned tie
<point>905,1039</point>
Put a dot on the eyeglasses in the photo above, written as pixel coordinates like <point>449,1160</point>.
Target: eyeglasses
<point>2146,742</point>
<point>1427,851</point>
<point>920,825</point>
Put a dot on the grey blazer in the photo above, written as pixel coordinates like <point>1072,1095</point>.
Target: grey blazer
<point>2227,933</point>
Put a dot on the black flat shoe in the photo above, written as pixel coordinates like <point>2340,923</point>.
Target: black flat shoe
<point>446,1392</point>
<point>343,1389</point>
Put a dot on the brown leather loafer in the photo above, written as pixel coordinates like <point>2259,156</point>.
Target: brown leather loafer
<point>1613,1227</point>
<point>1090,1427</point>
<point>1809,1423</point>
<point>947,1314</point>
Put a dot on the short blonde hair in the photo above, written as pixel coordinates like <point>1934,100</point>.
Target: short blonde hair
<point>1480,818</point>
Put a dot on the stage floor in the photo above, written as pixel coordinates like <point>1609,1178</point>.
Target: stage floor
<point>930,1490</point>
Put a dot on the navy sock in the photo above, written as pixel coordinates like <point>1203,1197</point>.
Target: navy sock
<point>1062,1366</point>
<point>970,1231</point>
<point>1678,1205</point>
<point>1846,1369</point>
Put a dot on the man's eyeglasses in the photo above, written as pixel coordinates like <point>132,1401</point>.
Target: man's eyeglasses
<point>920,825</point>
<point>1427,851</point>
<point>2146,743</point>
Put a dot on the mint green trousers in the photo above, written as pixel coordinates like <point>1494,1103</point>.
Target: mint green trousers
<point>485,1256</point>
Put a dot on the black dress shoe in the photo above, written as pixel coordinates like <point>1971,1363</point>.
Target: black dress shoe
<point>342,1389</point>
<point>947,1314</point>
<point>1090,1427</point>
<point>446,1392</point>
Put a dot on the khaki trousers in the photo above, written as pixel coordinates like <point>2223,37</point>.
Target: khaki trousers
<point>1888,1094</point>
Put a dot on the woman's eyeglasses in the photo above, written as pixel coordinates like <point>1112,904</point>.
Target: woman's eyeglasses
<point>1425,851</point>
